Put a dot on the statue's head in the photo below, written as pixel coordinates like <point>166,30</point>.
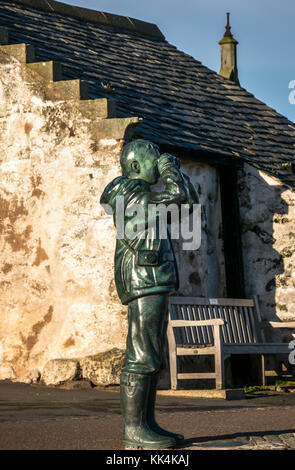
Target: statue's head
<point>139,160</point>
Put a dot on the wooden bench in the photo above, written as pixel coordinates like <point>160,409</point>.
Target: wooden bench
<point>221,327</point>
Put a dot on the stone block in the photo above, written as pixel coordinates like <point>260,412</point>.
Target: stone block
<point>103,368</point>
<point>7,372</point>
<point>31,378</point>
<point>51,71</point>
<point>99,108</point>
<point>71,89</point>
<point>117,128</point>
<point>58,371</point>
<point>24,53</point>
<point>84,384</point>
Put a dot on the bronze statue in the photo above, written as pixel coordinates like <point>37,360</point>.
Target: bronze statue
<point>145,275</point>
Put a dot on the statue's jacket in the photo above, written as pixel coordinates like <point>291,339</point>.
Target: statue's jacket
<point>146,264</point>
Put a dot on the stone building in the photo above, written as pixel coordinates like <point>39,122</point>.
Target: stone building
<point>75,85</point>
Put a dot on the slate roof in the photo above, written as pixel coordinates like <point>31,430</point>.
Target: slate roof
<point>182,102</point>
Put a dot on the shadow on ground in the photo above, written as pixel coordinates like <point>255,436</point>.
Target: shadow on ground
<point>284,439</point>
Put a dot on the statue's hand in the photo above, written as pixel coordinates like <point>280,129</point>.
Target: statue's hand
<point>166,160</point>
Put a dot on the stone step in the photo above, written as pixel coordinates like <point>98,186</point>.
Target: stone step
<point>98,108</point>
<point>24,53</point>
<point>102,111</point>
<point>51,70</point>
<point>70,89</point>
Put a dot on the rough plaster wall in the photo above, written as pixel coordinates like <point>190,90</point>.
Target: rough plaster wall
<point>201,271</point>
<point>57,295</point>
<point>267,212</point>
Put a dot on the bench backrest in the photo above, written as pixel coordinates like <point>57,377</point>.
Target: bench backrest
<point>241,318</point>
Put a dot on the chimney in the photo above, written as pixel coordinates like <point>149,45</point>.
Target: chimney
<point>228,46</point>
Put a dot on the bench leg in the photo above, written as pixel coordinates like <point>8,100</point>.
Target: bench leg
<point>173,370</point>
<point>219,371</point>
<point>219,359</point>
<point>172,357</point>
<point>263,378</point>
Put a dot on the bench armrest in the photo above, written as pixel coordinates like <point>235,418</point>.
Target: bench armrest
<point>211,322</point>
<point>277,324</point>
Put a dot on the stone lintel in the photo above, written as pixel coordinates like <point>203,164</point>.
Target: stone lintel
<point>24,53</point>
<point>51,71</point>
<point>98,108</point>
<point>70,89</point>
<point>117,128</point>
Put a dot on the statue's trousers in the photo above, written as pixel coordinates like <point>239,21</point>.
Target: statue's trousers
<point>147,320</point>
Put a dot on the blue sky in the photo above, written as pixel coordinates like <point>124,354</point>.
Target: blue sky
<point>264,28</point>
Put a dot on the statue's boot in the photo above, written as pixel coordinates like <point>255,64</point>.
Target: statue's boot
<point>134,390</point>
<point>151,412</point>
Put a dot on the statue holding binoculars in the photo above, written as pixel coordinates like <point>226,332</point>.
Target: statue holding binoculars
<point>145,275</point>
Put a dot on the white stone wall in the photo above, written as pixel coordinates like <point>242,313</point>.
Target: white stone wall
<point>267,210</point>
<point>57,294</point>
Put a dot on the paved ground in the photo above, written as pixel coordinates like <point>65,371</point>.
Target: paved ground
<point>37,417</point>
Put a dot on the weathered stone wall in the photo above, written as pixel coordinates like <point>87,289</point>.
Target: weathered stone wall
<point>58,298</point>
<point>267,210</point>
<point>57,294</point>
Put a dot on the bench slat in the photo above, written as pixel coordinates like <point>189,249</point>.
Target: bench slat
<point>241,321</point>
<point>190,330</point>
<point>195,330</point>
<point>253,324</point>
<point>195,350</point>
<point>205,329</point>
<point>249,335</point>
<point>185,323</point>
<point>177,331</point>
<point>232,324</point>
<point>213,316</point>
<point>249,332</point>
<point>211,301</point>
<point>184,330</point>
<point>257,348</point>
<point>237,324</point>
<point>197,375</point>
<point>225,328</point>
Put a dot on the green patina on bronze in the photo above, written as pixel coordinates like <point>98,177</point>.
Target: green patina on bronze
<point>145,275</point>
